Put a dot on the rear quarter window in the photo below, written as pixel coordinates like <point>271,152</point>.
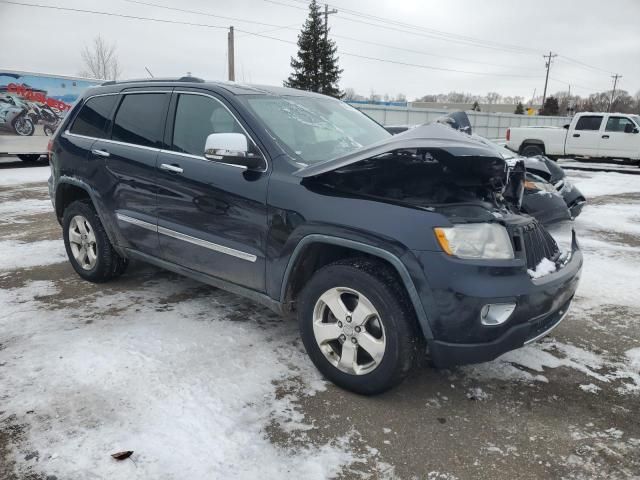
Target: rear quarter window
<point>93,118</point>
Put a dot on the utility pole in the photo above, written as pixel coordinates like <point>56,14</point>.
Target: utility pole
<point>327,12</point>
<point>232,61</point>
<point>549,57</point>
<point>613,92</point>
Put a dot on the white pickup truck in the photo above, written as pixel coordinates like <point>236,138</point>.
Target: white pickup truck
<point>596,135</point>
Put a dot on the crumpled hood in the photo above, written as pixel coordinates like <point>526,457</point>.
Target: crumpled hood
<point>436,137</point>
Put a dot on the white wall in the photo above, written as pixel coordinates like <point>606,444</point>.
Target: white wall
<point>489,125</point>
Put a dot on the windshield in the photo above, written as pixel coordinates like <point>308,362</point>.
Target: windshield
<point>636,118</point>
<point>315,129</point>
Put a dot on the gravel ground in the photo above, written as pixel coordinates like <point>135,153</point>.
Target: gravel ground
<point>200,383</point>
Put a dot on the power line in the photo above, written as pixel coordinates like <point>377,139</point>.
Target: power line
<point>584,65</point>
<point>440,33</point>
<point>296,28</point>
<point>109,14</point>
<point>423,66</point>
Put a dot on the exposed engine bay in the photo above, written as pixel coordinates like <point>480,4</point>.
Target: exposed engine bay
<point>434,179</point>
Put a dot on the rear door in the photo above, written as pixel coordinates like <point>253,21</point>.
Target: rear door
<point>618,139</point>
<point>212,216</point>
<point>584,138</point>
<point>130,177</point>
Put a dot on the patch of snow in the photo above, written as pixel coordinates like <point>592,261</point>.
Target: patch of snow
<point>15,211</point>
<point>634,358</point>
<point>15,254</point>
<point>477,393</point>
<point>545,267</point>
<point>590,388</point>
<point>19,176</point>
<point>595,184</point>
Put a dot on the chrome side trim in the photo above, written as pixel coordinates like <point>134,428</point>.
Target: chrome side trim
<point>114,142</point>
<point>204,159</point>
<point>548,331</point>
<point>188,238</point>
<point>210,245</point>
<point>135,221</point>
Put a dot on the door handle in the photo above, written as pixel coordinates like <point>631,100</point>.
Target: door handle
<point>576,135</point>
<point>171,168</point>
<point>100,153</point>
<point>605,136</point>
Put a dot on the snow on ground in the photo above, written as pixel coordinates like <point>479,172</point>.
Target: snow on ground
<point>595,184</point>
<point>19,176</point>
<point>12,212</point>
<point>188,390</point>
<point>16,254</point>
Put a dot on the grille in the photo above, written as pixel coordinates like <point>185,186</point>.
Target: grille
<point>538,244</point>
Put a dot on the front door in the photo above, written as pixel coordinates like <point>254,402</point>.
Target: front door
<point>130,176</point>
<point>618,139</point>
<point>584,139</point>
<point>211,216</point>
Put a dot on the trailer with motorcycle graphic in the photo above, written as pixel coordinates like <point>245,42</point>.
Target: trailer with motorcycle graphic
<point>32,105</point>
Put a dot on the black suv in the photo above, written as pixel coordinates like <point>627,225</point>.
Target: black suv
<point>387,247</point>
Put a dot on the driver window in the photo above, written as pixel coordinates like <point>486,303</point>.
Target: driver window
<point>196,118</point>
<point>618,124</point>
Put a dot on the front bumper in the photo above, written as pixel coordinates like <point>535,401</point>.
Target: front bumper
<point>460,290</point>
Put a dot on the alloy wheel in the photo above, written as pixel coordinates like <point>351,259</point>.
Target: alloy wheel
<point>349,331</point>
<point>82,241</point>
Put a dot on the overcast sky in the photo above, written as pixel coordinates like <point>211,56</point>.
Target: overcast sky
<point>605,35</point>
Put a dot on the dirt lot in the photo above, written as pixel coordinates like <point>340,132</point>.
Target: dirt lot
<point>203,384</point>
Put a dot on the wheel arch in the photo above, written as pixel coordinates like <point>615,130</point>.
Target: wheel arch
<point>70,189</point>
<point>316,250</point>
<point>531,141</point>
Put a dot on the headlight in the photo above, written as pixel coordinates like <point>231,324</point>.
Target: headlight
<point>536,184</point>
<point>475,241</point>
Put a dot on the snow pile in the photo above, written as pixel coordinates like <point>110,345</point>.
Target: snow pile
<point>15,211</point>
<point>15,254</point>
<point>18,176</point>
<point>545,267</point>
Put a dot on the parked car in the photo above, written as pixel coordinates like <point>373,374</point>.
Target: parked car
<point>595,135</point>
<point>385,247</point>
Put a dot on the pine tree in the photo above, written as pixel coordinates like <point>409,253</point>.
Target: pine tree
<point>519,109</point>
<point>316,67</point>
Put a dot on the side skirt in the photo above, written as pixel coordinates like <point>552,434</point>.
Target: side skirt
<point>252,295</point>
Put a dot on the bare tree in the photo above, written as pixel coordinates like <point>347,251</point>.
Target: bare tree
<point>100,60</point>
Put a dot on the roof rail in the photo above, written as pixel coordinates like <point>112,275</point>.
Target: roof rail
<point>166,79</point>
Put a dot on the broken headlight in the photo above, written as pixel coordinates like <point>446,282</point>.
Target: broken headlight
<point>476,241</point>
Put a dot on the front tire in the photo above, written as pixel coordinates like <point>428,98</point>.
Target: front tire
<point>88,247</point>
<point>358,326</point>
<point>23,126</point>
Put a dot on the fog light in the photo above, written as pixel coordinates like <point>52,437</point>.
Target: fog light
<point>496,313</point>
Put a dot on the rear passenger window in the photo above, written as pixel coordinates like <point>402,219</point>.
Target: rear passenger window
<point>196,118</point>
<point>589,123</point>
<point>140,119</point>
<point>94,116</point>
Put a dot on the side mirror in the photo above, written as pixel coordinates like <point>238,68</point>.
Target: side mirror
<point>232,148</point>
<point>566,127</point>
<point>628,128</point>
<point>635,130</point>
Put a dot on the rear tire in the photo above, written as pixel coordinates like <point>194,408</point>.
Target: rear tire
<point>532,150</point>
<point>88,247</point>
<point>366,356</point>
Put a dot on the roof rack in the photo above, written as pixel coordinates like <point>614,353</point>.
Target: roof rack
<point>141,80</point>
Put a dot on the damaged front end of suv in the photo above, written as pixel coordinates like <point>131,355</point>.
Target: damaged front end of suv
<point>496,277</point>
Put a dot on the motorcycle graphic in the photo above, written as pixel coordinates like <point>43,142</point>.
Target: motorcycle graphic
<point>14,116</point>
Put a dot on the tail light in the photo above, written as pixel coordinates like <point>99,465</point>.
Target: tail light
<point>50,149</point>
<point>508,134</point>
